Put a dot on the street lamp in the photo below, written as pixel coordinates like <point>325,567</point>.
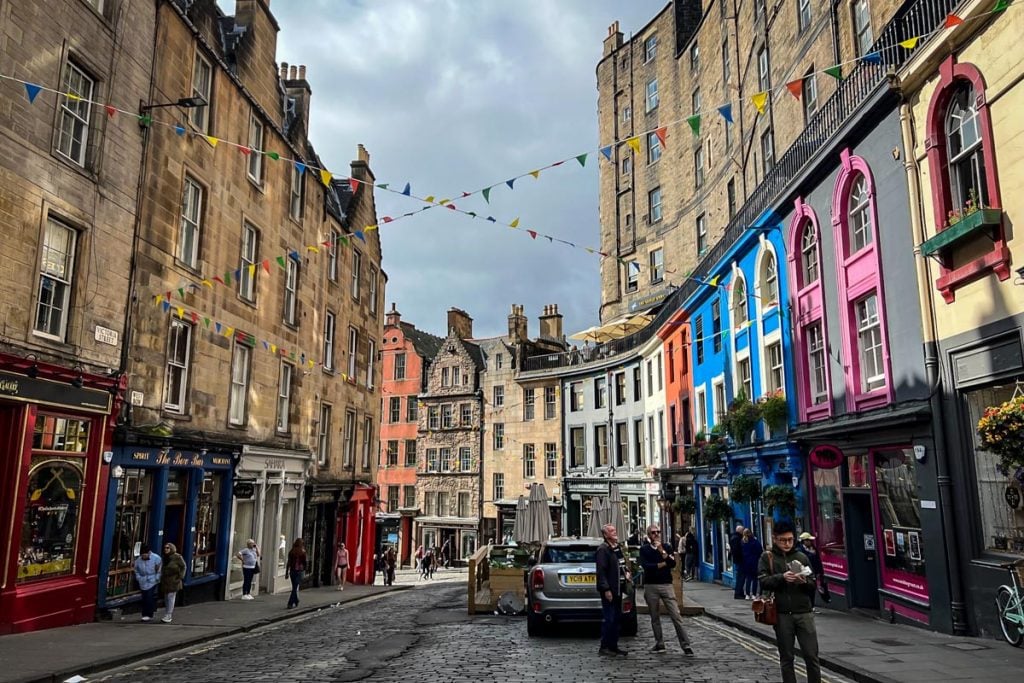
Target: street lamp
<point>186,102</point>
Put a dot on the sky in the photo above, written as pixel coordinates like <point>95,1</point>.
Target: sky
<point>457,95</point>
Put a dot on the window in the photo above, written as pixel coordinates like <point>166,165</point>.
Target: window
<point>671,354</point>
<point>395,409</point>
<point>695,101</point>
<point>859,215</point>
<point>373,290</point>
<point>716,325</point>
<point>769,281</point>
<point>295,205</point>
<point>55,276</point>
<point>774,376</point>
<point>740,315</point>
<point>329,327</point>
<point>701,404</point>
<point>447,416</point>
<point>179,344</point>
<point>763,81</point>
<point>466,414</point>
<point>465,459</point>
<point>410,452</point>
<point>657,263</point>
<point>445,380</point>
<point>191,223</point>
<point>600,392</point>
<point>445,455</point>
<point>900,517</point>
<point>816,363</point>
<point>758,9</point>
<point>550,460</point>
<point>205,532</point>
<point>73,132</point>
<point>357,259</point>
<point>621,444</point>
<point>767,151</point>
<point>650,378</point>
<point>332,256</point>
<point>627,113</point>
<point>654,205</point>
<point>650,48</point>
<point>239,395</point>
<point>255,170</point>
<point>652,94</point>
<point>620,388</point>
<point>529,461</point>
<point>862,27</point>
<point>637,384</point>
<point>661,373</point>
<point>409,495</point>
<point>499,396</point>
<point>499,361</point>
<point>965,149</point>
<point>132,519</point>
<point>291,291</point>
<point>638,442</point>
<point>430,503</point>
<point>698,168</point>
<point>498,486</point>
<point>694,55</point>
<point>529,404</point>
<point>810,94</point>
<point>653,148</point>
<point>698,339</point>
<point>720,406</point>
<point>803,14</point>
<point>601,445</point>
<point>284,398</point>
<point>353,351</point>
<point>202,80</point>
<point>368,432</point>
<point>702,234</point>
<point>399,371</point>
<point>730,192</point>
<point>632,276</point>
<point>578,455</point>
<point>809,254</point>
<point>869,344</point>
<point>499,436</point>
<point>746,382</point>
<point>432,460</point>
<point>247,268</point>
<point>392,498</point>
<point>324,431</point>
<point>433,418</point>
<point>462,508</point>
<point>627,163</point>
<point>392,453</point>
<point>576,396</point>
<point>726,61</point>
<point>456,379</point>
<point>550,399</point>
<point>411,409</point>
<point>443,503</point>
<point>371,360</point>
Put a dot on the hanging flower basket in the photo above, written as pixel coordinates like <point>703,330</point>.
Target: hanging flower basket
<point>741,418</point>
<point>744,489</point>
<point>774,409</point>
<point>1001,429</point>
<point>780,498</point>
<point>716,509</point>
<point>686,505</point>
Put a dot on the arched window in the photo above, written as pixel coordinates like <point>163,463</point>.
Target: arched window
<point>966,153</point>
<point>769,281</point>
<point>740,314</point>
<point>809,254</point>
<point>860,215</point>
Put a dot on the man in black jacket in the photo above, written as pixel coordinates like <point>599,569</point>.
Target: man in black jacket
<point>736,553</point>
<point>792,591</point>
<point>658,561</point>
<point>609,559</point>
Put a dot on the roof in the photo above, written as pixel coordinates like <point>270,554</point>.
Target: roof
<point>427,345</point>
<point>473,349</point>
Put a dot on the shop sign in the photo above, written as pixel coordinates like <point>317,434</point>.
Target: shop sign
<point>244,489</point>
<point>50,392</point>
<point>826,457</point>
<point>160,457</point>
<point>647,301</point>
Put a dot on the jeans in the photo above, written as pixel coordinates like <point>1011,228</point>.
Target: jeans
<point>750,584</point>
<point>611,615</point>
<point>801,628</point>
<point>149,602</point>
<point>293,599</point>
<point>654,595</point>
<point>737,573</point>
<point>247,574</point>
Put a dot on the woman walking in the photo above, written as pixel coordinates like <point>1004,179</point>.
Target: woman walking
<point>294,569</point>
<point>172,576</point>
<point>752,551</point>
<point>147,573</point>
<point>250,557</point>
<point>341,565</point>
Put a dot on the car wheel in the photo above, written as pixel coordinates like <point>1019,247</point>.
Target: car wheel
<point>534,626</point>
<point>629,625</point>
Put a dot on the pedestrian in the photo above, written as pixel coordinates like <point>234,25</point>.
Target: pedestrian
<point>752,551</point>
<point>446,553</point>
<point>609,560</point>
<point>419,558</point>
<point>792,592</point>
<point>692,553</point>
<point>147,574</point>
<point>294,569</point>
<point>814,557</point>
<point>425,563</point>
<point>435,560</point>
<point>250,557</point>
<point>736,554</point>
<point>390,560</point>
<point>658,561</point>
<point>340,565</point>
<point>172,577</point>
<point>634,538</point>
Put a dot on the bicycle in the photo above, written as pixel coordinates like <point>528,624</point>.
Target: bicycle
<point>1010,603</point>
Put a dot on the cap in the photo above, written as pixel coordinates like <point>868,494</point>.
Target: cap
<point>805,536</point>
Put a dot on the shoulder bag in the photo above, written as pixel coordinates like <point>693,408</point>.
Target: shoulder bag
<point>765,611</point>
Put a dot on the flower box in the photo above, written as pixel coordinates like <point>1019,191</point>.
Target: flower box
<point>967,226</point>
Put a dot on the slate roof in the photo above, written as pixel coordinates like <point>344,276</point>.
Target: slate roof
<point>427,345</point>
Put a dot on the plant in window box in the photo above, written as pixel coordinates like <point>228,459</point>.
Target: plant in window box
<point>780,498</point>
<point>686,505</point>
<point>744,489</point>
<point>717,509</point>
<point>741,418</point>
<point>1001,429</point>
<point>774,409</point>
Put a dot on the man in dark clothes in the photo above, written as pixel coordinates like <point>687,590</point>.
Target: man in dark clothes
<point>609,559</point>
<point>736,552</point>
<point>658,561</point>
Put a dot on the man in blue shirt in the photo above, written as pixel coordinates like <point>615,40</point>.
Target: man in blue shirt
<point>147,574</point>
<point>658,560</point>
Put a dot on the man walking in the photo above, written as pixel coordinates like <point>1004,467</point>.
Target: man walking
<point>736,553</point>
<point>792,591</point>
<point>608,558</point>
<point>692,553</point>
<point>658,561</point>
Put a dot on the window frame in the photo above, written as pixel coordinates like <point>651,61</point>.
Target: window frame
<point>240,380</point>
<point>529,461</point>
<point>353,353</point>
<point>656,258</point>
<point>763,70</point>
<point>291,293</point>
<point>809,98</point>
<point>653,148</point>
<point>329,338</point>
<point>654,214</point>
<point>297,198</point>
<point>248,256</point>
<point>650,48</point>
<point>702,234</point>
<point>698,167</point>
<point>66,281</point>
<point>180,407</point>
<point>371,362</point>
<point>651,99</point>
<point>803,15</point>
<point>190,222</point>
<point>77,112</point>
<point>199,117</point>
<point>859,31</point>
<point>357,259</point>
<point>324,432</point>
<point>285,381</point>
<point>768,280</point>
<point>254,161</point>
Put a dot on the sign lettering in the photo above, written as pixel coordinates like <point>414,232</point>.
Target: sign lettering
<point>9,386</point>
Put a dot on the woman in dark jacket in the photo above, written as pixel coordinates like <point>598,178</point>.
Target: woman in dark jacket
<point>752,551</point>
<point>294,569</point>
<point>172,577</point>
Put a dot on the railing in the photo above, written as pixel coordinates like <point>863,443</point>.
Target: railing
<point>479,575</point>
<point>915,18</point>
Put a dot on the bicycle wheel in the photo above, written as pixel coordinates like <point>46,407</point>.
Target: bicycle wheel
<point>1007,605</point>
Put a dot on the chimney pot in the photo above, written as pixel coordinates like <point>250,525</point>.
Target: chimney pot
<point>302,72</point>
<point>284,70</point>
<point>292,72</point>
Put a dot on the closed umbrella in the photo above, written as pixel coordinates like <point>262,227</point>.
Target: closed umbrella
<point>545,529</point>
<point>614,514</point>
<point>519,528</point>
<point>596,517</point>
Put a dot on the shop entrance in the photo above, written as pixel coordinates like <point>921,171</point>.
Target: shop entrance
<point>861,550</point>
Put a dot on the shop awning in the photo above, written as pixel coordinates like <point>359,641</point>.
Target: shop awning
<point>625,326</point>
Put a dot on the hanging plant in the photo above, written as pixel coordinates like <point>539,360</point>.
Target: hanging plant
<point>716,509</point>
<point>780,498</point>
<point>686,505</point>
<point>741,418</point>
<point>705,450</point>
<point>774,409</point>
<point>744,489</point>
<point>1001,429</point>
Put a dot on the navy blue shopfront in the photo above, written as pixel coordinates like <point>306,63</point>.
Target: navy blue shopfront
<point>166,495</point>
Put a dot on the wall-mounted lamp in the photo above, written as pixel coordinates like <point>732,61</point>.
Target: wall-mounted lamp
<point>33,370</point>
<point>202,452</point>
<point>77,382</point>
<point>186,102</point>
<point>117,472</point>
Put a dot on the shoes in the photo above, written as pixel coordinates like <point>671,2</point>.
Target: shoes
<point>166,619</point>
<point>248,597</point>
<point>816,611</point>
<point>659,648</point>
<point>688,651</point>
<point>147,618</point>
<point>603,652</point>
<point>621,653</point>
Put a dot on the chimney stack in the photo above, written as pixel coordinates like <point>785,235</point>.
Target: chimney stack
<point>393,318</point>
<point>614,40</point>
<point>459,323</point>
<point>551,323</point>
<point>517,325</point>
<point>296,86</point>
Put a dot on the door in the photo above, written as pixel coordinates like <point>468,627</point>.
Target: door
<point>174,510</point>
<point>861,549</point>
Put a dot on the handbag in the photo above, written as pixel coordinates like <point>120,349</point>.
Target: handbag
<point>765,611</point>
<point>256,569</point>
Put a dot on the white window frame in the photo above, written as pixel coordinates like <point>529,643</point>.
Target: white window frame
<point>815,349</point>
<point>332,257</point>
<point>330,329</point>
<point>870,343</point>
<point>694,54</point>
<point>373,290</point>
<point>238,399</point>
<point>652,94</point>
<point>296,195</point>
<point>254,169</point>
<point>810,94</point>
<point>657,264</point>
<point>399,366</point>
<point>552,403</point>
<point>768,279</point>
<point>700,404</point>
<point>698,167</point>
<point>859,215</point>
<point>632,276</point>
<point>249,255</point>
<point>653,148</point>
<point>745,376</point>
<point>55,277</point>
<point>191,227</point>
<point>739,305</point>
<point>702,234</point>
<point>862,33</point>
<point>368,432</point>
<point>323,441</point>
<point>178,364</point>
<point>284,397</point>
<point>371,358</point>
<point>550,460</point>
<point>809,254</point>
<point>349,452</point>
<point>767,151</point>
<point>803,14</point>
<point>202,86</point>
<point>654,205</point>
<point>353,351</point>
<point>650,48</point>
<point>627,113</point>
<point>763,84</point>
<point>529,461</point>
<point>498,395</point>
<point>499,436</point>
<point>75,114</point>
<point>291,291</point>
<point>719,399</point>
<point>357,259</point>
<point>465,459</point>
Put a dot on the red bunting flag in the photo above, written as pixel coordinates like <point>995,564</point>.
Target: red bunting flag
<point>661,134</point>
<point>266,265</point>
<point>533,234</point>
<point>244,150</point>
<point>953,20</point>
<point>354,184</point>
<point>796,87</point>
<point>110,111</point>
<point>195,317</point>
<point>218,278</point>
<point>387,219</point>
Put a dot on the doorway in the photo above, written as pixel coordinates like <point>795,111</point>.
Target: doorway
<point>174,509</point>
<point>861,549</point>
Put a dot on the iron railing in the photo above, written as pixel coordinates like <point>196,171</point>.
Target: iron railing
<point>915,18</point>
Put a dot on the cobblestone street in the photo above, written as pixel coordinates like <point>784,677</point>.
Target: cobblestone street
<point>425,634</point>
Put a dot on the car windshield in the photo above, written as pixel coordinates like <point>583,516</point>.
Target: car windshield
<point>569,554</point>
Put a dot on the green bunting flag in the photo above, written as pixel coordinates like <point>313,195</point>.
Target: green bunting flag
<point>835,72</point>
<point>486,192</point>
<point>280,261</point>
<point>694,122</point>
<point>1001,5</point>
<point>273,155</point>
<point>582,159</point>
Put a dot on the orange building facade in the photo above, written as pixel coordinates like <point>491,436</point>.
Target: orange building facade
<point>677,482</point>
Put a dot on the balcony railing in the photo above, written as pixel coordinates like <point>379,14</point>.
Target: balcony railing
<point>915,18</point>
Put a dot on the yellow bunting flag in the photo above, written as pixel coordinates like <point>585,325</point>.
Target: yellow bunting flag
<point>910,43</point>
<point>429,199</point>
<point>206,283</point>
<point>713,281</point>
<point>759,101</point>
<point>313,248</point>
<point>514,224</point>
<point>273,348</point>
<point>212,140</point>
<point>634,144</point>
<point>325,176</point>
<point>311,363</point>
<point>535,174</point>
<point>252,270</point>
<point>181,312</point>
<point>229,331</point>
<point>73,97</point>
<point>370,227</point>
<point>159,298</point>
<point>444,201</point>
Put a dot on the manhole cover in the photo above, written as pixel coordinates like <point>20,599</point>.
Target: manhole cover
<point>968,646</point>
<point>889,642</point>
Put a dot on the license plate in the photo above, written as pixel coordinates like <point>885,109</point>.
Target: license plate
<point>581,579</point>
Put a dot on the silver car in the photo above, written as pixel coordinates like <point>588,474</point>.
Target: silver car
<point>561,587</point>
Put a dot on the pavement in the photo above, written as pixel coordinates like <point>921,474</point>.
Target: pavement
<point>61,653</point>
<point>873,650</point>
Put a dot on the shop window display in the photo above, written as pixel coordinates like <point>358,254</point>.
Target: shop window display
<point>131,529</point>
<point>899,509</point>
<point>828,513</point>
<point>204,551</point>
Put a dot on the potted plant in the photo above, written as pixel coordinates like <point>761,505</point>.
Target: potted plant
<point>1001,429</point>
<point>741,418</point>
<point>774,409</point>
<point>780,498</point>
<point>706,450</point>
<point>686,505</point>
<point>716,509</point>
<point>744,489</point>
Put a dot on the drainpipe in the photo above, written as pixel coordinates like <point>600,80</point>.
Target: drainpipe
<point>833,15</point>
<point>933,374</point>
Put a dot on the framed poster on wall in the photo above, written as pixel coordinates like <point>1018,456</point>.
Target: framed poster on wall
<point>890,542</point>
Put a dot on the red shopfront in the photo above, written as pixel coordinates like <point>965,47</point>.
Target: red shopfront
<point>357,528</point>
<point>55,427</point>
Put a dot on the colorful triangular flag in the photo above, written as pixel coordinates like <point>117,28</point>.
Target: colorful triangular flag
<point>486,192</point>
<point>759,101</point>
<point>510,182</point>
<point>634,144</point>
<point>535,174</point>
<point>910,43</point>
<point>408,190</point>
<point>835,72</point>
<point>246,151</point>
<point>325,176</point>
<point>300,167</point>
<point>662,134</point>
<point>582,159</point>
<point>179,129</point>
<point>607,152</point>
<point>359,234</point>
<point>353,184</point>
<point>1001,5</point>
<point>872,58</point>
<point>110,111</point>
<point>429,199</point>
<point>796,87</point>
<point>533,234</point>
<point>514,223</point>
<point>212,140</point>
<point>273,155</point>
<point>953,20</point>
<point>31,89</point>
<point>726,111</point>
<point>694,122</point>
